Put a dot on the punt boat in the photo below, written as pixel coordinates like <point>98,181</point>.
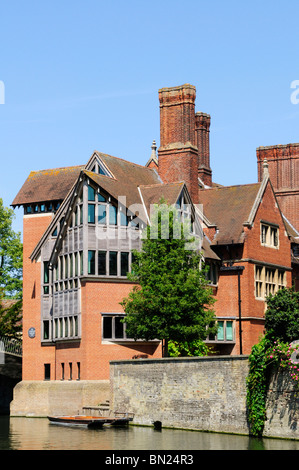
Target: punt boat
<point>119,419</point>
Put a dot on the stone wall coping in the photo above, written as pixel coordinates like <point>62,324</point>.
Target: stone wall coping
<point>180,359</point>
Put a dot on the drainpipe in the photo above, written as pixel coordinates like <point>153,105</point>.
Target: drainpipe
<point>238,270</point>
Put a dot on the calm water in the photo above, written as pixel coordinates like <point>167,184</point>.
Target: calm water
<point>39,434</point>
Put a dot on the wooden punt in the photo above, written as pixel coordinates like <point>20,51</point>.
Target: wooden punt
<point>92,421</point>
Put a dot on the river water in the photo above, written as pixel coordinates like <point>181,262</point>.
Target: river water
<point>40,434</point>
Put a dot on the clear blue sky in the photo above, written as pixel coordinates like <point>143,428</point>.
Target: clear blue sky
<point>84,75</point>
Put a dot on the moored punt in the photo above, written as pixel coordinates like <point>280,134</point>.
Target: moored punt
<point>91,421</point>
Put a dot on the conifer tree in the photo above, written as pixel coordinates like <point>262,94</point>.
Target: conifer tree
<point>172,300</point>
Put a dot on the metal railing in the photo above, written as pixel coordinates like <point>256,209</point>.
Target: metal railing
<point>11,346</point>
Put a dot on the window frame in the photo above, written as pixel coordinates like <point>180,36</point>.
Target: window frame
<point>268,280</point>
<point>113,317</point>
<point>269,234</point>
<point>224,322</point>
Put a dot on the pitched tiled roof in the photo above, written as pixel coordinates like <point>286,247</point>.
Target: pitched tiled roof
<point>229,208</point>
<point>129,173</point>
<point>55,184</point>
<point>292,232</point>
<point>47,185</point>
<point>126,179</point>
<point>152,194</point>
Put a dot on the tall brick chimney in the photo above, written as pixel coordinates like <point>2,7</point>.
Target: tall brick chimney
<point>178,154</point>
<point>202,142</point>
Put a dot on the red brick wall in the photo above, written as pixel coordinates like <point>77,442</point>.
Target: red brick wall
<point>92,355</point>
<point>33,229</point>
<point>100,298</point>
<point>253,310</point>
<point>283,163</point>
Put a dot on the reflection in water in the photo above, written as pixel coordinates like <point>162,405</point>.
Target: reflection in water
<point>39,434</point>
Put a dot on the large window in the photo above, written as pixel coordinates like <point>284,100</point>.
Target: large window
<point>113,328</point>
<point>103,211</point>
<point>66,327</point>
<point>268,280</point>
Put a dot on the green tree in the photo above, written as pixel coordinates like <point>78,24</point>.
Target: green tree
<point>282,315</point>
<point>172,300</point>
<point>191,348</point>
<point>11,255</point>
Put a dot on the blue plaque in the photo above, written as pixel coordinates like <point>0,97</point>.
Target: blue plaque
<point>31,332</point>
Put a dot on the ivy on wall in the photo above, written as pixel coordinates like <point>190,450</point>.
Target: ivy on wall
<point>278,348</point>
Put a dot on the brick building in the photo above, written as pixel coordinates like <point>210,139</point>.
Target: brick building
<point>81,224</point>
<point>283,163</point>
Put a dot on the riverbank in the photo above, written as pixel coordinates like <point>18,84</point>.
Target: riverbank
<point>197,393</point>
<point>201,393</point>
<point>39,434</point>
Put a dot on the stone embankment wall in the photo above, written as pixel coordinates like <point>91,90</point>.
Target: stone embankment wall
<point>43,398</point>
<point>195,393</point>
<point>282,407</point>
<point>206,394</point>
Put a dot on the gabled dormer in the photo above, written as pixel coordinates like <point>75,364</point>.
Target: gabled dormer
<point>97,165</point>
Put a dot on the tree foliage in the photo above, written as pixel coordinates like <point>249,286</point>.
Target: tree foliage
<point>172,300</point>
<point>10,317</point>
<point>11,255</point>
<point>273,350</point>
<point>282,315</point>
<point>187,349</point>
<point>257,387</point>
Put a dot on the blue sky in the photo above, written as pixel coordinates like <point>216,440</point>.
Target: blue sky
<point>84,75</point>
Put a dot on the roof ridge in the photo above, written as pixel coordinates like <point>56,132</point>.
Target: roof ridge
<point>58,168</point>
<point>160,184</point>
<point>124,160</point>
<point>230,186</point>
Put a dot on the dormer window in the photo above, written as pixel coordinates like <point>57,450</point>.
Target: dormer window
<point>269,235</point>
<point>99,169</point>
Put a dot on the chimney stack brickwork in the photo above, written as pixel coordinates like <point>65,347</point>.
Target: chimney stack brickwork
<point>202,140</point>
<point>283,167</point>
<point>179,156</point>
